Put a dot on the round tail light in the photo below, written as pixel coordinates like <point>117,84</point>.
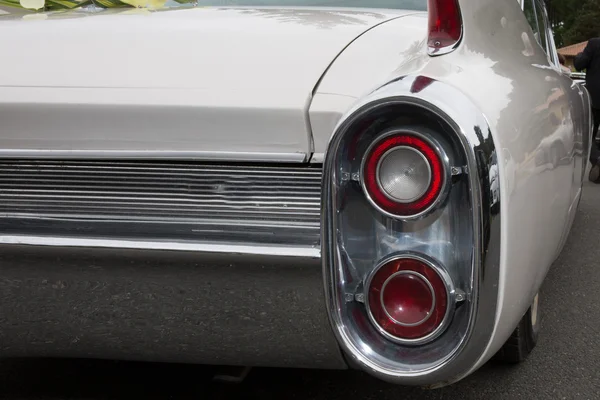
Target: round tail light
<point>404,174</point>
<point>408,299</point>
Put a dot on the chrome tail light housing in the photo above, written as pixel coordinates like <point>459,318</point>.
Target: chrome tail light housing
<point>408,230</point>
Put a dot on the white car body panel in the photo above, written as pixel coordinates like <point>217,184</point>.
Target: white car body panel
<point>235,83</point>
<point>538,209</point>
<point>371,60</point>
<point>273,84</point>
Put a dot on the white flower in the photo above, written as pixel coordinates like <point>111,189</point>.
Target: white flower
<point>32,4</point>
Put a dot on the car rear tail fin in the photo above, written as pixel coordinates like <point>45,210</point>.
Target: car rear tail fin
<point>445,27</point>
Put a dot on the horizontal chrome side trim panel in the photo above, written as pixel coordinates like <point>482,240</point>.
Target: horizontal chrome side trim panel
<point>282,251</point>
<point>164,202</point>
<point>154,155</point>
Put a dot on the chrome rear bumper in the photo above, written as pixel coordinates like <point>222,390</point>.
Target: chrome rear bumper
<point>172,306</point>
<point>163,261</point>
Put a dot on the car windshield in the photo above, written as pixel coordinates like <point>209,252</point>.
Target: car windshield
<point>420,5</point>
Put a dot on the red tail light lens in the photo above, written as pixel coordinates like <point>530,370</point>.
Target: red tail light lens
<point>445,25</point>
<point>407,299</point>
<point>403,175</point>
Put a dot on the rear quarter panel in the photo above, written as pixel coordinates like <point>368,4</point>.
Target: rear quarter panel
<point>528,102</point>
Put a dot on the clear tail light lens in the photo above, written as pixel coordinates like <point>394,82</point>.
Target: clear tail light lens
<point>403,174</point>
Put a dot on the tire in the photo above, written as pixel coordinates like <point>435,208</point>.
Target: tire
<point>524,338</point>
<point>594,174</point>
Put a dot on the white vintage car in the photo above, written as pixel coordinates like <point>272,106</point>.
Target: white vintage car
<point>287,183</point>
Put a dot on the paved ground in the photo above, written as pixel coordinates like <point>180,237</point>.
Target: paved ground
<point>565,365</point>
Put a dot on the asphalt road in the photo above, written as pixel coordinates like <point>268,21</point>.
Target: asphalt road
<point>565,364</point>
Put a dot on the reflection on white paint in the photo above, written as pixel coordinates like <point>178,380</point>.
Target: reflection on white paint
<point>482,70</point>
<point>528,51</point>
<point>35,17</point>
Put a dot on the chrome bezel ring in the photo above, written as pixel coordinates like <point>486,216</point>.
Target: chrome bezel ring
<point>440,154</point>
<point>450,296</point>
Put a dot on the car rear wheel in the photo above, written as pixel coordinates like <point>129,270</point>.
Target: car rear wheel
<point>524,338</point>
<point>594,174</point>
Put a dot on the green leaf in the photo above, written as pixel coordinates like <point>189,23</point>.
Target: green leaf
<point>110,3</point>
<point>63,4</point>
<point>11,3</point>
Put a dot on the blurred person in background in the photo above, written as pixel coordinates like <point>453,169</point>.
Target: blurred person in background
<point>589,60</point>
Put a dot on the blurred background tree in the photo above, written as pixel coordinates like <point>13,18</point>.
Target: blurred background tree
<point>574,21</point>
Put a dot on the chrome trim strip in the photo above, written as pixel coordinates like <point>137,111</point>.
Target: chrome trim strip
<point>287,251</point>
<point>433,52</point>
<point>474,133</point>
<point>450,295</point>
<point>550,43</point>
<point>154,155</point>
<point>446,185</point>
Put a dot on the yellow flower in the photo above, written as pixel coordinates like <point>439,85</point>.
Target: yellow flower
<point>32,4</point>
<point>154,4</point>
